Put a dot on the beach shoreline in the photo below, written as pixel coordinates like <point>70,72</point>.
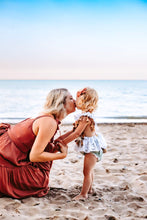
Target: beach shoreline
<point>120,182</point>
<point>99,124</point>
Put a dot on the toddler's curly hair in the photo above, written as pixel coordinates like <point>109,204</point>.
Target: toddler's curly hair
<point>87,99</point>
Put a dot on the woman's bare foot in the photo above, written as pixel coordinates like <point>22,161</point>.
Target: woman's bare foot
<point>80,197</point>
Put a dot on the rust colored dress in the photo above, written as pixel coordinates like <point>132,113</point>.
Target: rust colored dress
<point>20,178</point>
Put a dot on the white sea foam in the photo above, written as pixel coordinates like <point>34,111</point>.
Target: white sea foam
<point>119,100</point>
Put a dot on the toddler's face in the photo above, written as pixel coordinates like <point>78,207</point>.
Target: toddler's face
<point>79,99</point>
<point>78,102</point>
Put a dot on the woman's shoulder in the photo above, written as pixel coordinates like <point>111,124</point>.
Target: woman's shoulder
<point>46,121</point>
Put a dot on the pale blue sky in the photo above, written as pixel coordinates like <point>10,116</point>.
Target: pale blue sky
<point>73,39</point>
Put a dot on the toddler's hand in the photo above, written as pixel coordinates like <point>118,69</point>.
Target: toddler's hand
<point>85,119</point>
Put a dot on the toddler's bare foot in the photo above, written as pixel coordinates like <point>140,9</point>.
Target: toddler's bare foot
<point>90,191</point>
<point>80,197</point>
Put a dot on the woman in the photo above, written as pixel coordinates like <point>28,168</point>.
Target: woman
<point>27,149</point>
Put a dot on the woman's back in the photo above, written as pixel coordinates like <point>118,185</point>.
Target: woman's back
<point>21,134</point>
<point>15,145</point>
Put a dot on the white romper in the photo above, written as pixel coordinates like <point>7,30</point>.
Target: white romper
<point>93,144</point>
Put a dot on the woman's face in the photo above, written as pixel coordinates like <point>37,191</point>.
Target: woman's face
<point>70,104</point>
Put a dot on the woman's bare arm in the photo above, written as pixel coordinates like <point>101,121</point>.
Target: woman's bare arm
<point>46,128</point>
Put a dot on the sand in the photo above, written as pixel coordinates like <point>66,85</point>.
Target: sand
<point>120,182</point>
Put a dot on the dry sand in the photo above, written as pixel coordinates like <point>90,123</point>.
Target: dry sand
<point>120,182</point>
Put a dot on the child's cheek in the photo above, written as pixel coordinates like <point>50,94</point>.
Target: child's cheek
<point>76,101</point>
<point>79,104</point>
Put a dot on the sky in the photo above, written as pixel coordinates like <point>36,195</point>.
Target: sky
<point>75,39</point>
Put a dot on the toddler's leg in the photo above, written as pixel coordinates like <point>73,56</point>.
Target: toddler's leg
<point>89,163</point>
<point>90,189</point>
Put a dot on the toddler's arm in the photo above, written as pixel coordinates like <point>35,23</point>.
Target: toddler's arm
<point>71,135</point>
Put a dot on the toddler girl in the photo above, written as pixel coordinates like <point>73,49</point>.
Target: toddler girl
<point>88,141</point>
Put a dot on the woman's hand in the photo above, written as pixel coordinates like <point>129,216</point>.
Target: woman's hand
<point>63,148</point>
<point>57,140</point>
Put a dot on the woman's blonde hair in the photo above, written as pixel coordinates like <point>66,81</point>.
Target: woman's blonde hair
<point>87,99</point>
<point>55,102</point>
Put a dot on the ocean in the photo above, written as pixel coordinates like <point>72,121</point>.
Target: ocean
<point>119,100</point>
